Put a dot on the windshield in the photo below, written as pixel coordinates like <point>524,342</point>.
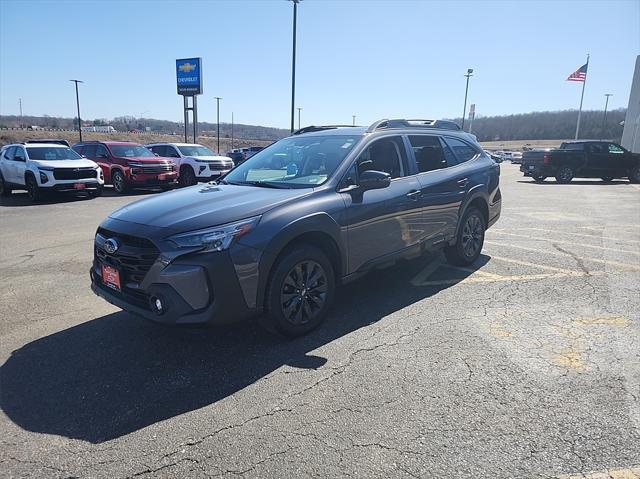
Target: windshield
<point>52,154</point>
<point>196,151</point>
<point>130,151</point>
<point>295,162</point>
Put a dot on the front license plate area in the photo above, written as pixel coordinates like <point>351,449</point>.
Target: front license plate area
<point>110,277</point>
<point>79,186</point>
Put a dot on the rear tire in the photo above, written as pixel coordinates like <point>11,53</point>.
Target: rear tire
<point>564,175</point>
<point>33,190</point>
<point>119,182</point>
<point>634,175</point>
<point>539,179</point>
<point>469,240</point>
<point>4,189</point>
<point>187,176</point>
<point>300,292</point>
<point>607,179</point>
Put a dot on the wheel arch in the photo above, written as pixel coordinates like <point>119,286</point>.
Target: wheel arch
<point>320,231</point>
<point>478,200</point>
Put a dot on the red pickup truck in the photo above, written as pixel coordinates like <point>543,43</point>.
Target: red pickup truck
<point>129,165</point>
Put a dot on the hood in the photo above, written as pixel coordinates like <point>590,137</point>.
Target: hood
<point>146,159</point>
<point>203,206</point>
<point>83,163</point>
<point>209,158</point>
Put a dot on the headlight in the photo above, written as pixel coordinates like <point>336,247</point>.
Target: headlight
<point>218,238</point>
<point>43,177</point>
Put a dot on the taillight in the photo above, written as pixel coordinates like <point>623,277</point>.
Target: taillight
<point>545,159</point>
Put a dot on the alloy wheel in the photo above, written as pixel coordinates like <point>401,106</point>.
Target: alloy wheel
<point>304,292</point>
<point>472,236</point>
<point>118,182</point>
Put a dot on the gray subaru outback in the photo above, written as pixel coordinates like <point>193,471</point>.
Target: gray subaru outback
<point>282,231</point>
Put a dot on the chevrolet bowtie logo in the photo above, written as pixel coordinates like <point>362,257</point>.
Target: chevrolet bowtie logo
<point>187,67</point>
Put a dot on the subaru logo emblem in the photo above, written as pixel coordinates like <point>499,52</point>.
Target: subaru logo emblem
<point>111,246</point>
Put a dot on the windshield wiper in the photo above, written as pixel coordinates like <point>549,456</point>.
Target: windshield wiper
<point>262,184</point>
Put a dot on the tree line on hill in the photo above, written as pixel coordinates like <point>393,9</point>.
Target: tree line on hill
<point>548,125</point>
<point>542,125</point>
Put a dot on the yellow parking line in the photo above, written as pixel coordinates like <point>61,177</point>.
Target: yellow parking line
<point>514,278</point>
<point>632,472</point>
<point>479,272</point>
<point>570,243</point>
<point>533,265</point>
<point>420,278</point>
<point>575,234</point>
<point>617,264</point>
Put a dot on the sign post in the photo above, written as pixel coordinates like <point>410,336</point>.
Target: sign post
<point>189,84</point>
<point>472,115</point>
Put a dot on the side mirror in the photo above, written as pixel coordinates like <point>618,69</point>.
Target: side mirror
<point>374,180</point>
<point>156,154</point>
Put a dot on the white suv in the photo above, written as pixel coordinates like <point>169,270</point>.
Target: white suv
<point>194,162</point>
<point>47,167</point>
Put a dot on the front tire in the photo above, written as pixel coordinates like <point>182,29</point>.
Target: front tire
<point>469,240</point>
<point>634,175</point>
<point>564,175</point>
<point>187,176</point>
<point>4,189</point>
<point>301,291</point>
<point>96,193</point>
<point>119,182</point>
<point>33,190</point>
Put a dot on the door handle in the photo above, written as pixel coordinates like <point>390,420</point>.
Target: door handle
<point>413,194</point>
<point>462,183</point>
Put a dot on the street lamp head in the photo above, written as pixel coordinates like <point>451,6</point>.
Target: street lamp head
<point>469,71</point>
<point>77,81</point>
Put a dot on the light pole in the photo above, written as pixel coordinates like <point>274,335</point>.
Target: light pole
<point>78,105</point>
<point>232,130</point>
<point>606,104</point>
<point>354,120</point>
<point>218,119</point>
<point>466,91</point>
<point>293,62</point>
<point>141,119</point>
<point>20,112</point>
<point>299,110</point>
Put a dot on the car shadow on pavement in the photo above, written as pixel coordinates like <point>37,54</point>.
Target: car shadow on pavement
<point>116,374</point>
<point>594,182</point>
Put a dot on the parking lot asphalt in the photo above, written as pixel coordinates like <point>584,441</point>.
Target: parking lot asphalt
<point>526,364</point>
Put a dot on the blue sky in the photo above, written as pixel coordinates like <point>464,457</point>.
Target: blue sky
<point>370,58</point>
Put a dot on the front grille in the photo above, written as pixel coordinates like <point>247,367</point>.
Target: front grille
<point>154,169</point>
<point>133,259</point>
<point>74,173</point>
<point>217,165</point>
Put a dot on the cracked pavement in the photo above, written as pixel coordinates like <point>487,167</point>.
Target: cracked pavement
<point>526,365</point>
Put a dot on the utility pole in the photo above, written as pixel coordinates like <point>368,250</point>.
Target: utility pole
<point>354,120</point>
<point>21,122</point>
<point>466,91</point>
<point>232,130</point>
<point>78,105</point>
<point>218,119</point>
<point>299,110</point>
<point>606,104</point>
<point>293,62</point>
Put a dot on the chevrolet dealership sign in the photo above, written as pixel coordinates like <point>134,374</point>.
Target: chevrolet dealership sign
<point>189,76</point>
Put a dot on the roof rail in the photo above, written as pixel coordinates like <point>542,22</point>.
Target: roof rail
<point>310,129</point>
<point>414,123</point>
<point>55,142</point>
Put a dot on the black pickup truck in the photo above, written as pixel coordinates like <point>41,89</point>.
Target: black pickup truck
<point>582,159</point>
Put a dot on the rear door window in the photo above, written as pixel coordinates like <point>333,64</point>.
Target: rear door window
<point>461,149</point>
<point>429,153</point>
<point>9,153</point>
<point>615,149</point>
<point>90,151</point>
<point>102,150</point>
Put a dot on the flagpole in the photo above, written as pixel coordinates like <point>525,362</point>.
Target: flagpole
<point>582,98</point>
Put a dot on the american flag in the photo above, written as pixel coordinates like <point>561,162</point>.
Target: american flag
<point>580,74</point>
